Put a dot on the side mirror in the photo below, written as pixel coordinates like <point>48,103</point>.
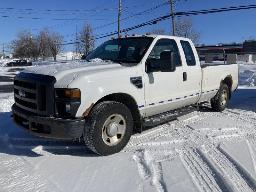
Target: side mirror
<point>149,66</point>
<point>167,63</point>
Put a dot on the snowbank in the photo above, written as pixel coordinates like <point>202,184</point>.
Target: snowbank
<point>247,75</point>
<point>6,101</point>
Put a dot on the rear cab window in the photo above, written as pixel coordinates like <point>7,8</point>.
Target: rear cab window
<point>189,54</point>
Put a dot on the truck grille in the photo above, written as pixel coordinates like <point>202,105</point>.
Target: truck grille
<point>34,93</point>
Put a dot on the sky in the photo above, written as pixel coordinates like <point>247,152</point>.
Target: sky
<point>67,17</point>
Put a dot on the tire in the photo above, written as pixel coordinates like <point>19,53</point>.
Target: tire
<point>221,99</point>
<point>108,128</point>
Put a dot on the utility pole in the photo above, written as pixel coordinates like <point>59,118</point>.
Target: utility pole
<point>76,41</point>
<point>119,17</point>
<point>3,51</point>
<point>173,17</point>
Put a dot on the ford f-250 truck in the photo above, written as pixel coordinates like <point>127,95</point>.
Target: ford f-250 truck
<point>122,85</point>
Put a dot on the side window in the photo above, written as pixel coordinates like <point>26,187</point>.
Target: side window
<point>159,51</point>
<point>111,51</point>
<point>189,54</point>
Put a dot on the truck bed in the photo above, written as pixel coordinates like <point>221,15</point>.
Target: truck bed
<point>213,74</point>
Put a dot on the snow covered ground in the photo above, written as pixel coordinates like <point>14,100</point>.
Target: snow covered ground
<point>202,151</point>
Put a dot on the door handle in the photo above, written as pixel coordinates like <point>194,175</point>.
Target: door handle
<point>185,76</point>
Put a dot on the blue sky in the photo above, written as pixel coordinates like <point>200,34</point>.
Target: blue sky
<point>227,27</point>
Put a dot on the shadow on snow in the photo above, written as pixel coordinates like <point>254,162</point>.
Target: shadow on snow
<point>244,99</point>
<point>16,141</point>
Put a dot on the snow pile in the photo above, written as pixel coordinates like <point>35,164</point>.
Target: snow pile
<point>247,75</point>
<point>6,103</point>
<point>4,61</point>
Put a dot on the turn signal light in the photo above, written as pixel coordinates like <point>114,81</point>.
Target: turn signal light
<point>68,93</point>
<point>72,93</point>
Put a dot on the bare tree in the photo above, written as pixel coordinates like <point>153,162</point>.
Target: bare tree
<point>25,46</point>
<point>46,44</point>
<point>35,51</point>
<point>55,44</point>
<point>86,40</point>
<point>184,28</point>
<point>43,39</point>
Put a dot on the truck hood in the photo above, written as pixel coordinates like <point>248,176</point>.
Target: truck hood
<point>60,70</point>
<point>66,73</point>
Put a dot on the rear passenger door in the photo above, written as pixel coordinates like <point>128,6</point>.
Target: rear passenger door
<point>192,72</point>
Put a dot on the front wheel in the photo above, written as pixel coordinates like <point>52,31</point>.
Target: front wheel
<point>221,99</point>
<point>108,128</point>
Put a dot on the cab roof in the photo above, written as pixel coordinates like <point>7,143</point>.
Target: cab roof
<point>155,36</point>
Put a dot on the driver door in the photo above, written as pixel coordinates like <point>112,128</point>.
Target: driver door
<point>163,90</point>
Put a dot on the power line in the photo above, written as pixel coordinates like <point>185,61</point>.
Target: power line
<point>188,13</point>
<point>130,16</point>
<point>48,11</point>
<point>134,15</point>
<point>218,10</point>
<point>58,10</point>
<point>162,18</point>
<point>55,19</point>
<point>179,14</point>
<point>31,11</point>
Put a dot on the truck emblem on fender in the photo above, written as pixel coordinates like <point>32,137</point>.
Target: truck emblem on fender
<point>22,93</point>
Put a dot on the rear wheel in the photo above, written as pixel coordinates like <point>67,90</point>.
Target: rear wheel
<point>108,128</point>
<point>221,99</point>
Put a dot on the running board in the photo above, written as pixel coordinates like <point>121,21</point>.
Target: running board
<point>167,116</point>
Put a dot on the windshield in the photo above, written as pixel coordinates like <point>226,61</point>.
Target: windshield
<point>127,50</point>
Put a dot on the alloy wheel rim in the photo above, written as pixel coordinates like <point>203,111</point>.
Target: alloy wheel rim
<point>113,129</point>
<point>224,98</point>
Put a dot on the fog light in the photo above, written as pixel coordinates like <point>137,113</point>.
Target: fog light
<point>68,108</point>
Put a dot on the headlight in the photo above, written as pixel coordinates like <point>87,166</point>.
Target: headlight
<point>67,102</point>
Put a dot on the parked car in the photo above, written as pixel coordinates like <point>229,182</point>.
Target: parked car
<point>18,63</point>
<point>125,85</point>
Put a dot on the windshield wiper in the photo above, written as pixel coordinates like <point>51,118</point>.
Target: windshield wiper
<point>120,61</point>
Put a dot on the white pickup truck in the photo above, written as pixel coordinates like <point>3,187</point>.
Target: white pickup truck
<point>122,85</point>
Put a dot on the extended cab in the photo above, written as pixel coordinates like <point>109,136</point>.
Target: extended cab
<point>123,84</point>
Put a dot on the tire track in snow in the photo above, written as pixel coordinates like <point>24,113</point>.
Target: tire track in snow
<point>156,145</point>
<point>243,172</point>
<point>252,155</point>
<point>165,129</point>
<point>245,131</point>
<point>150,172</point>
<point>198,170</point>
<point>209,137</point>
<point>242,112</point>
<point>181,134</point>
<point>226,170</point>
<point>249,117</point>
<point>150,135</point>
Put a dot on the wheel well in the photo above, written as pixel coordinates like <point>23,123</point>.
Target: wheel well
<point>229,82</point>
<point>129,102</point>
